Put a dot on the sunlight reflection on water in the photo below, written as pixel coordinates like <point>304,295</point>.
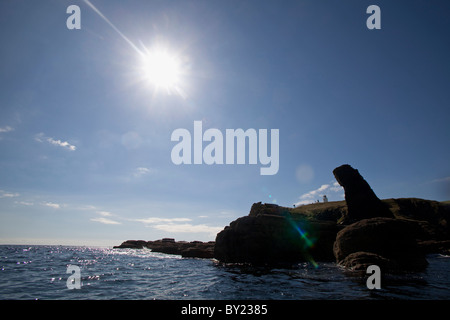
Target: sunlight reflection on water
<point>39,272</point>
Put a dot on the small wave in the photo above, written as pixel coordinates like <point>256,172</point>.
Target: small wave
<point>143,253</point>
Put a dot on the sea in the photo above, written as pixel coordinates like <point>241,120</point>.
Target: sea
<point>46,273</point>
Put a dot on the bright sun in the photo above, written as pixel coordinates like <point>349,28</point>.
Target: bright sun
<point>163,70</point>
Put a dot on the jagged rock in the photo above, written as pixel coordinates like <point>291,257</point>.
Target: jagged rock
<point>169,247</point>
<point>194,249</point>
<point>275,239</point>
<point>391,239</point>
<point>362,203</point>
<point>277,235</point>
<point>202,250</point>
<point>266,208</point>
<point>360,261</point>
<point>436,215</point>
<point>132,244</point>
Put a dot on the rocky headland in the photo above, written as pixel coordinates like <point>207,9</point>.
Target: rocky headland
<point>395,234</point>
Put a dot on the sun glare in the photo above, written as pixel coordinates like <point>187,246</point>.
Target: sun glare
<point>163,70</point>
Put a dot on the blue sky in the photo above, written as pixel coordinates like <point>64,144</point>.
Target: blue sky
<point>85,148</point>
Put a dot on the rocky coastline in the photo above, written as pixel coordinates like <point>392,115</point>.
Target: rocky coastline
<point>395,234</point>
<point>193,249</point>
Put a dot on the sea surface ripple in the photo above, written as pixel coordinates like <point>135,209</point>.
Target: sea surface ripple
<point>39,272</point>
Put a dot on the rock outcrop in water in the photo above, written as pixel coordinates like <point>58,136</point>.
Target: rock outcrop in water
<point>193,249</point>
<point>275,239</point>
<point>394,233</point>
<point>389,243</point>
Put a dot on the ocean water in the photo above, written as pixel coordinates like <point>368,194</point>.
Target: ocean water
<point>39,272</point>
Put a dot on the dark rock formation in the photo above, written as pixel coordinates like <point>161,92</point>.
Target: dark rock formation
<point>132,244</point>
<point>271,235</point>
<point>394,234</point>
<point>391,242</point>
<point>267,208</point>
<point>275,239</point>
<point>434,246</point>
<point>362,203</point>
<point>360,261</point>
<point>194,249</point>
<point>434,215</point>
<point>204,250</point>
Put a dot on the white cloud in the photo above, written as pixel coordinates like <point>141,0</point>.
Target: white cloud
<point>313,193</point>
<point>176,225</point>
<point>24,203</point>
<point>60,143</point>
<point>188,228</point>
<point>104,213</point>
<point>303,202</point>
<point>141,171</point>
<point>336,187</point>
<point>52,205</point>
<point>312,196</point>
<point>6,129</point>
<point>158,220</point>
<point>105,220</point>
<point>87,207</point>
<point>40,137</point>
<point>5,194</point>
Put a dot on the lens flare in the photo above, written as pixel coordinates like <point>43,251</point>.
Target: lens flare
<point>308,241</point>
<point>304,235</point>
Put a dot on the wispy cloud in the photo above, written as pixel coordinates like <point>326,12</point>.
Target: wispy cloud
<point>6,129</point>
<point>152,220</point>
<point>188,228</point>
<point>40,137</point>
<point>87,207</point>
<point>24,203</point>
<point>176,225</point>
<point>105,220</point>
<point>142,171</point>
<point>446,179</point>
<point>313,193</point>
<point>5,194</point>
<point>334,189</point>
<point>52,205</point>
<point>104,213</point>
<point>63,144</point>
